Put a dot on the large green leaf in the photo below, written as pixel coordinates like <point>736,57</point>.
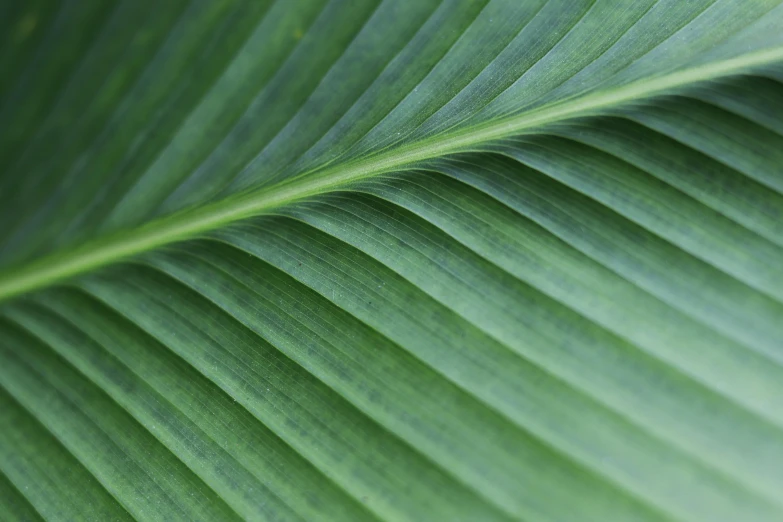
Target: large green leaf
<point>391,260</point>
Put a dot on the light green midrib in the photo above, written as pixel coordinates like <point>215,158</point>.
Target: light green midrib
<point>99,252</point>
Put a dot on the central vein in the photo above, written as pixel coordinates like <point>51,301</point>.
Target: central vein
<point>112,248</point>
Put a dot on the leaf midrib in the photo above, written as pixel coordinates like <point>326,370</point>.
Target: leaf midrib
<point>99,252</point>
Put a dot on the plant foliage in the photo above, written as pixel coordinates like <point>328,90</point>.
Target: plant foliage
<point>391,260</point>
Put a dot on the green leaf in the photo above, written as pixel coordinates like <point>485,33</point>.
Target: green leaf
<point>391,260</point>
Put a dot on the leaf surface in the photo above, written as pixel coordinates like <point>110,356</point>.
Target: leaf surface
<point>391,260</point>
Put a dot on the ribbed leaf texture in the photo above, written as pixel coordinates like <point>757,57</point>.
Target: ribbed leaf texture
<point>337,260</point>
